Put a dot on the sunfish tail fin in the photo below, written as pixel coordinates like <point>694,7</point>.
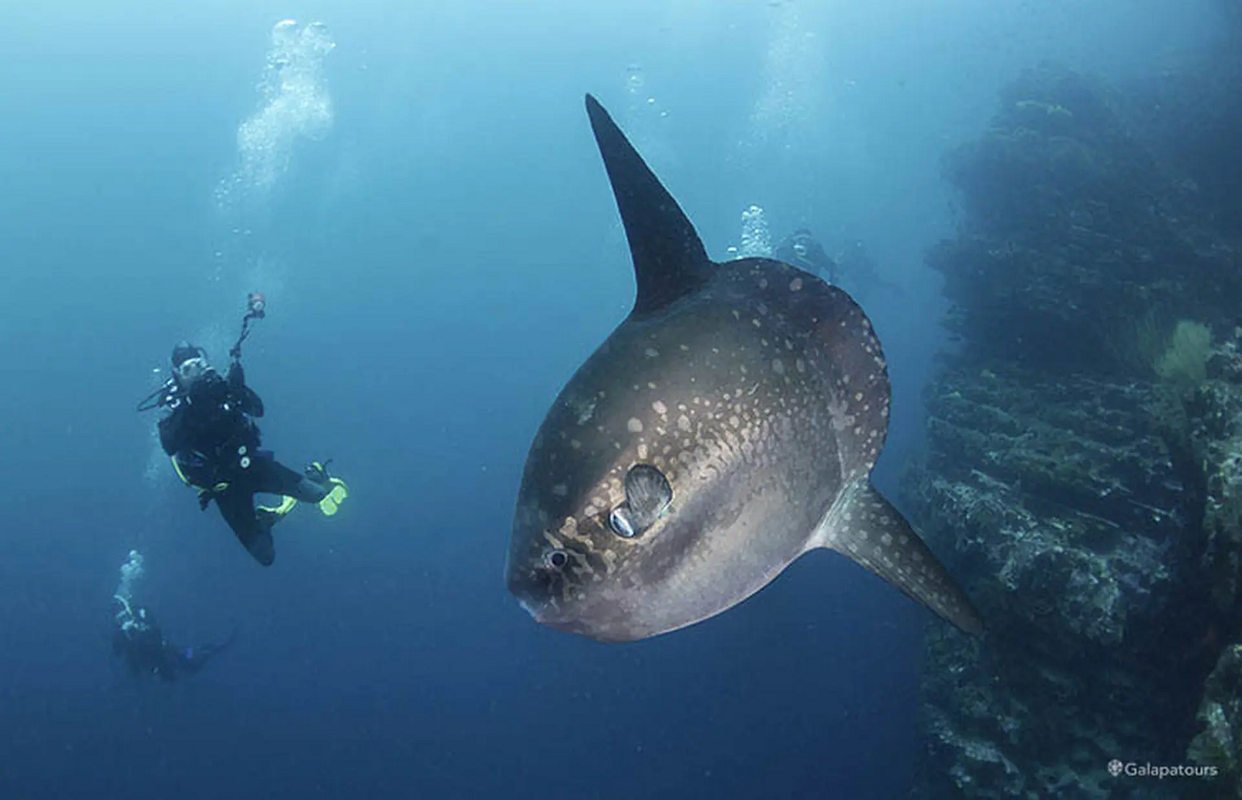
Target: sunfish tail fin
<point>669,258</point>
<point>865,527</point>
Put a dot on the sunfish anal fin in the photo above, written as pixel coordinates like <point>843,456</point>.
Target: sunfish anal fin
<point>865,527</point>
<point>670,261</point>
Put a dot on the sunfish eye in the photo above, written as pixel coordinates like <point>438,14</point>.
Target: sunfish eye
<point>555,558</point>
<point>647,496</point>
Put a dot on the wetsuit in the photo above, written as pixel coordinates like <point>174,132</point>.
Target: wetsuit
<point>214,442</point>
<point>803,251</point>
<point>147,652</point>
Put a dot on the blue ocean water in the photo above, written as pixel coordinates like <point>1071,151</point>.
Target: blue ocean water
<point>416,190</point>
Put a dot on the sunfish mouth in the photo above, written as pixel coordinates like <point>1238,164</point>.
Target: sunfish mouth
<point>550,616</point>
<point>538,611</point>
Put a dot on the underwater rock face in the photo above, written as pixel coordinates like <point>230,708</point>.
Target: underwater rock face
<point>1083,474</point>
<point>1075,235</point>
<point>1217,745</point>
<point>1066,516</point>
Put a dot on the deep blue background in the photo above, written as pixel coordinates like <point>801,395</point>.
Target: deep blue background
<point>437,266</point>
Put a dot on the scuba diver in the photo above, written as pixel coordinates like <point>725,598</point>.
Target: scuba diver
<point>138,638</point>
<point>803,251</point>
<point>858,265</point>
<point>214,444</point>
<point>852,269</point>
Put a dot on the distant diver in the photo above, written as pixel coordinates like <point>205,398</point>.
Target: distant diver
<point>214,444</point>
<point>852,268</point>
<point>858,271</point>
<point>805,252</point>
<point>137,638</point>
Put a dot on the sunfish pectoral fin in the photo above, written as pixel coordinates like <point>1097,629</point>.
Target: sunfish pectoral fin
<point>670,261</point>
<point>865,527</point>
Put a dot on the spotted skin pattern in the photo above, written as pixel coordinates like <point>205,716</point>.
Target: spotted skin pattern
<point>761,394</point>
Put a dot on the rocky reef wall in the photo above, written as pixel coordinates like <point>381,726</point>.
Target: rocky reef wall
<point>1083,473</point>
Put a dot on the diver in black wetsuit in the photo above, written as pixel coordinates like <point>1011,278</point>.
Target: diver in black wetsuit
<point>852,269</point>
<point>139,640</point>
<point>214,443</point>
<point>803,251</point>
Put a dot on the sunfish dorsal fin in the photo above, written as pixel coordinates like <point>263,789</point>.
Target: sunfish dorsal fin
<point>669,258</point>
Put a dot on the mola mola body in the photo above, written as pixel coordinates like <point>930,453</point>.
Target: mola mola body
<point>726,427</point>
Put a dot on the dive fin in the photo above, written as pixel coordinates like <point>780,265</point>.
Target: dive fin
<point>865,527</point>
<point>336,495</point>
<point>669,258</point>
<point>270,515</point>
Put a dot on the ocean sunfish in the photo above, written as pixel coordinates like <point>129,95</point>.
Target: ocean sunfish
<point>727,426</point>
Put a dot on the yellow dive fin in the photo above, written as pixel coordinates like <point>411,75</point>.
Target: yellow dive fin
<point>286,505</point>
<point>336,495</point>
